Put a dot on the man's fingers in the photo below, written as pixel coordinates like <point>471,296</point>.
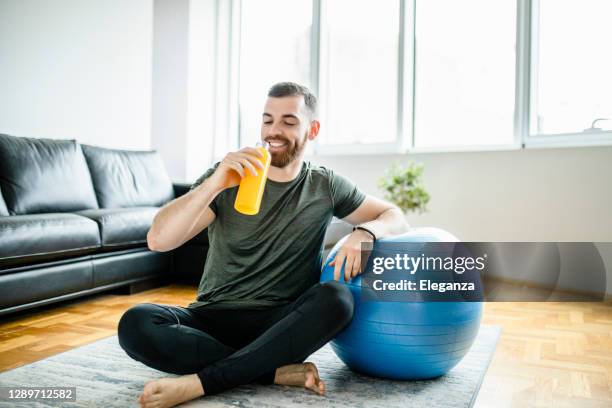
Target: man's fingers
<point>253,157</point>
<point>255,161</point>
<point>356,267</point>
<point>351,259</point>
<point>237,167</point>
<point>249,166</point>
<point>348,268</point>
<point>253,150</point>
<point>339,260</point>
<point>245,158</point>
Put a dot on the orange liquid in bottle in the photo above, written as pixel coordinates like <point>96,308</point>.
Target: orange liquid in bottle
<point>252,187</point>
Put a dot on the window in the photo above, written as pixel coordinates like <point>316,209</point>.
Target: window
<point>433,74</point>
<point>572,67</point>
<point>359,72</point>
<point>275,37</point>
<point>465,64</point>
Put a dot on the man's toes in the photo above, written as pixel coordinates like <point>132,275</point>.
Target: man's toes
<point>152,404</point>
<point>310,381</point>
<point>321,387</point>
<point>150,394</point>
<point>314,383</point>
<point>155,398</point>
<point>151,388</point>
<point>147,390</point>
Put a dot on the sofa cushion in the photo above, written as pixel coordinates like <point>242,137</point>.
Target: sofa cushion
<point>3,209</point>
<point>122,227</point>
<point>36,286</point>
<point>35,237</point>
<point>124,178</point>
<point>44,175</point>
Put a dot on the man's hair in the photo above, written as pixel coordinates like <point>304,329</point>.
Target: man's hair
<point>292,89</point>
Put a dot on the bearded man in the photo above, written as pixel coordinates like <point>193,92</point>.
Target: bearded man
<point>260,310</point>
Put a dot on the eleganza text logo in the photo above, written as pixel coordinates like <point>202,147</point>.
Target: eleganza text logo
<point>483,271</point>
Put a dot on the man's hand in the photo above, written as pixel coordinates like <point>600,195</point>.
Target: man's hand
<point>350,255</point>
<point>234,166</point>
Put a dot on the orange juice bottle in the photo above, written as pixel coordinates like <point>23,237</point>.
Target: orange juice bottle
<point>252,187</point>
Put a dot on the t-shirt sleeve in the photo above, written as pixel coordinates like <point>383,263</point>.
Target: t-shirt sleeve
<point>200,180</point>
<point>345,195</point>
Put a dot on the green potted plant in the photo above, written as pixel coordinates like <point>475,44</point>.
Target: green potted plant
<point>403,187</point>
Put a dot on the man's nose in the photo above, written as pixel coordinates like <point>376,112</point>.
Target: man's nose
<point>274,130</point>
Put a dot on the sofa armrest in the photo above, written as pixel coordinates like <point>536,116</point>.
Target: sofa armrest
<point>336,230</point>
<point>180,189</point>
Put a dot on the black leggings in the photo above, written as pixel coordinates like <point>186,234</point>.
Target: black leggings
<point>227,348</point>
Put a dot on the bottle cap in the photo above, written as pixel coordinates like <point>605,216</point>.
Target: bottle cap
<point>264,144</point>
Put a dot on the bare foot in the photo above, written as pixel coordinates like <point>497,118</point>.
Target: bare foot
<point>302,375</point>
<point>168,392</point>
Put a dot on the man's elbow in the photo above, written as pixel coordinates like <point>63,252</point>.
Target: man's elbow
<point>153,243</point>
<point>401,225</point>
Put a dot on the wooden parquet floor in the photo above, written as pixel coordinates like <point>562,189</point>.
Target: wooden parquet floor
<point>549,354</point>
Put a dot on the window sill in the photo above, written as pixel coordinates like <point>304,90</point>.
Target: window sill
<point>582,139</point>
<point>357,150</point>
<point>602,138</point>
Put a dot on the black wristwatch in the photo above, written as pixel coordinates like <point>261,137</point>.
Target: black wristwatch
<point>359,227</point>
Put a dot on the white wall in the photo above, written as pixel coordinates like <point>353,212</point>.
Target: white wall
<point>135,74</point>
<point>77,69</point>
<point>169,85</point>
<point>201,83</point>
<point>560,194</point>
<point>183,84</point>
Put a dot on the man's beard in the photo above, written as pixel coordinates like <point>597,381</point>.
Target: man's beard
<point>291,152</point>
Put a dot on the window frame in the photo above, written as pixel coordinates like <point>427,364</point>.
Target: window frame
<point>226,118</point>
<point>547,140</point>
<point>527,19</point>
<point>404,99</point>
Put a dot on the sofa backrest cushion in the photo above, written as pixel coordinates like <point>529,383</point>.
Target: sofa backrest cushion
<point>126,178</point>
<point>3,209</point>
<point>44,176</point>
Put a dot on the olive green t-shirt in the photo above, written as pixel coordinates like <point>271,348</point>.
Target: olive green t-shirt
<point>271,258</point>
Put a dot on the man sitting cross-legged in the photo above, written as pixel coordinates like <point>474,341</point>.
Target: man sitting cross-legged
<point>260,311</point>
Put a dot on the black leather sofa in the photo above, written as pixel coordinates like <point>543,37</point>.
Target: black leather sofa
<point>74,219</point>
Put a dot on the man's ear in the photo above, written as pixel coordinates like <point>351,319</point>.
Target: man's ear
<point>314,129</point>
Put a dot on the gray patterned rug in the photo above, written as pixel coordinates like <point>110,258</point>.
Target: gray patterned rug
<point>104,376</point>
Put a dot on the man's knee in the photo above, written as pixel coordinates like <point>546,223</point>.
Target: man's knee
<point>133,325</point>
<point>338,301</point>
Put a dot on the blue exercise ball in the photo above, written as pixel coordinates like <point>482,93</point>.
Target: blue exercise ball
<point>405,340</point>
